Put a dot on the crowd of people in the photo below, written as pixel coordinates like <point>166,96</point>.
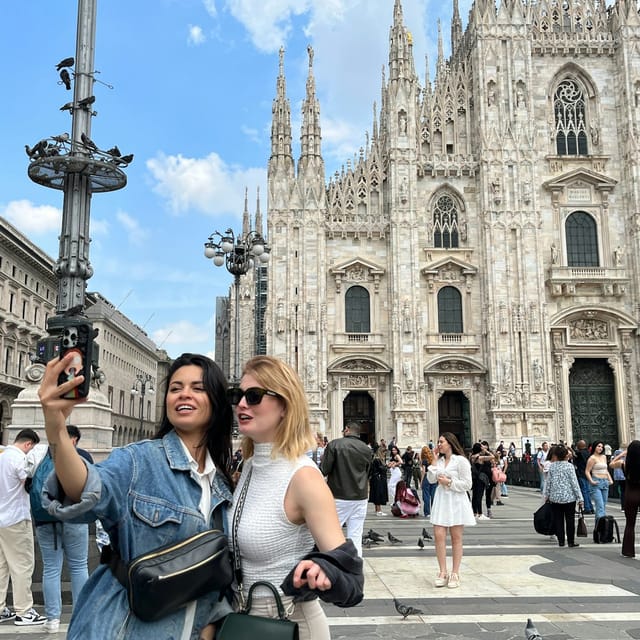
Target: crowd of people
<point>305,495</point>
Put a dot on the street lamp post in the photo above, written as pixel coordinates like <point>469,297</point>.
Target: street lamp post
<point>143,384</point>
<point>237,254</point>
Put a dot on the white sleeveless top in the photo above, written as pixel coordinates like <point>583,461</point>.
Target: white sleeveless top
<point>270,545</point>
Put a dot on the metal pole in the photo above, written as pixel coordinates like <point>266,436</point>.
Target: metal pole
<point>236,333</point>
<point>142,392</point>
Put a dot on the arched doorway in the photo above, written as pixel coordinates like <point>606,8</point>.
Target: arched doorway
<point>593,403</point>
<point>453,416</point>
<point>359,407</point>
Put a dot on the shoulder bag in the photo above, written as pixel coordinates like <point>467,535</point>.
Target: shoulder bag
<point>165,579</point>
<point>242,625</point>
<point>581,528</point>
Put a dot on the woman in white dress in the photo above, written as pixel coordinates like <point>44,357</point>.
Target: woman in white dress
<point>395,464</point>
<point>451,508</point>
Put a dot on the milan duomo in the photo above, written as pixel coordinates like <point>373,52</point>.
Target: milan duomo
<point>475,269</point>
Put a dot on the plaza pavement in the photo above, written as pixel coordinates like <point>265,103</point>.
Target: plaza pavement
<point>509,573</point>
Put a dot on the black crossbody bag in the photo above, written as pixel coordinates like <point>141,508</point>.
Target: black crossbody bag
<point>163,580</point>
<point>242,625</point>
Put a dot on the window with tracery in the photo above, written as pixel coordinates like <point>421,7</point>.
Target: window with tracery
<point>449,310</point>
<point>445,223</point>
<point>582,240</point>
<point>357,314</point>
<point>570,116</point>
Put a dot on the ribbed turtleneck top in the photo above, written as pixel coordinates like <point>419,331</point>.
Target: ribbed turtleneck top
<point>270,545</point>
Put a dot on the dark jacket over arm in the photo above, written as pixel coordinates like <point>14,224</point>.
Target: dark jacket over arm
<point>343,567</point>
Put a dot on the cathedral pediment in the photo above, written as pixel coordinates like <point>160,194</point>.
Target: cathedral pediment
<point>578,184</point>
<point>357,271</point>
<point>449,270</point>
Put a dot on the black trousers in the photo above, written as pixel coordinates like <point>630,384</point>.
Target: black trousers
<point>564,513</point>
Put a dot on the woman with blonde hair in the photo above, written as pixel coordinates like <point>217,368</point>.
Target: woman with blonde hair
<point>282,506</point>
<point>428,488</point>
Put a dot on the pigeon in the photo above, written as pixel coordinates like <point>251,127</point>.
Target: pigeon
<point>420,543</point>
<point>426,535</point>
<point>530,631</point>
<point>65,78</point>
<point>127,159</point>
<point>63,137</point>
<point>85,102</point>
<point>406,610</point>
<point>392,538</point>
<point>374,535</point>
<point>88,142</point>
<point>38,150</point>
<point>67,62</point>
<point>68,107</point>
<point>114,151</point>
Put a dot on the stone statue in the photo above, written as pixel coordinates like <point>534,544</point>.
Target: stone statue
<point>554,254</point>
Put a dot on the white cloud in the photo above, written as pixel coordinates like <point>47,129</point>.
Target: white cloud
<point>269,23</point>
<point>206,184</point>
<point>135,233</point>
<point>196,35</point>
<point>32,218</point>
<point>210,7</point>
<point>182,332</point>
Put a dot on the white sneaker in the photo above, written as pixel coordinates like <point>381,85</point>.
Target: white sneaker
<point>381,513</point>
<point>52,626</point>
<point>483,517</point>
<point>31,617</point>
<point>7,614</point>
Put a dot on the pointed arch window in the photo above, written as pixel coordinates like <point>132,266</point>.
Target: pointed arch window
<point>357,311</point>
<point>570,119</point>
<point>445,223</point>
<point>449,310</point>
<point>581,232</point>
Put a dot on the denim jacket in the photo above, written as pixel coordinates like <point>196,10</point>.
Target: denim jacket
<point>145,498</point>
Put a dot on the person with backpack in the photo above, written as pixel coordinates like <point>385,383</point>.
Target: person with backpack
<point>629,461</point>
<point>58,541</point>
<point>562,491</point>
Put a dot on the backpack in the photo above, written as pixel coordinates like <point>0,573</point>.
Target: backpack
<point>38,512</point>
<point>603,531</point>
<point>406,503</point>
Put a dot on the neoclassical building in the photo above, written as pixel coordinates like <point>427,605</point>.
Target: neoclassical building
<point>475,270</point>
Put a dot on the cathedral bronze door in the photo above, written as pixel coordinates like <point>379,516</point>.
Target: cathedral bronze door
<point>359,407</point>
<point>453,416</point>
<point>593,402</point>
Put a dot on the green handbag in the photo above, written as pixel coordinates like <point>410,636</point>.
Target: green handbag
<point>242,626</point>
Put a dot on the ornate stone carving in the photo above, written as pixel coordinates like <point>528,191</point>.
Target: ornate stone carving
<point>588,329</point>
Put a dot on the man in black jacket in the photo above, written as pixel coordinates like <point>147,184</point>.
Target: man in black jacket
<point>347,464</point>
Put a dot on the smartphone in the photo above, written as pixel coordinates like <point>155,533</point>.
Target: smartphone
<point>77,339</point>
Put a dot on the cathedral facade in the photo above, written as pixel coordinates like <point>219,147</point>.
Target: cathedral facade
<point>475,270</point>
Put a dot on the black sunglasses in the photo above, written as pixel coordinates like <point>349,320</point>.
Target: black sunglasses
<point>252,395</point>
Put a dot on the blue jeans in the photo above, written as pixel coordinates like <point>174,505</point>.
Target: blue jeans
<point>428,491</point>
<point>585,488</point>
<point>58,541</point>
<point>599,496</point>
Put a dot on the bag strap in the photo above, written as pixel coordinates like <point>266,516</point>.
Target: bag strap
<point>263,583</point>
<point>235,525</point>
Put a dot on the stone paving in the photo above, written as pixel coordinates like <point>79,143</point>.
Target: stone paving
<point>509,573</point>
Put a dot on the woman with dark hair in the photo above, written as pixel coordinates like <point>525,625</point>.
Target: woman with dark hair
<point>599,479</point>
<point>395,465</point>
<point>562,490</point>
<point>147,494</point>
<point>451,509</point>
<point>378,493</point>
<point>629,461</point>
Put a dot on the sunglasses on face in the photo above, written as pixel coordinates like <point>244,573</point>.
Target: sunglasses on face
<point>252,396</point>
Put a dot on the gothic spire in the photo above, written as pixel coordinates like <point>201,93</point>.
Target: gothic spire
<point>281,154</point>
<point>246,225</point>
<point>440,63</point>
<point>310,137</point>
<point>456,28</point>
<point>258,219</point>
<point>401,48</point>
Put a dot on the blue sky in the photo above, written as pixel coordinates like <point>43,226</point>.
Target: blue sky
<point>188,88</point>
